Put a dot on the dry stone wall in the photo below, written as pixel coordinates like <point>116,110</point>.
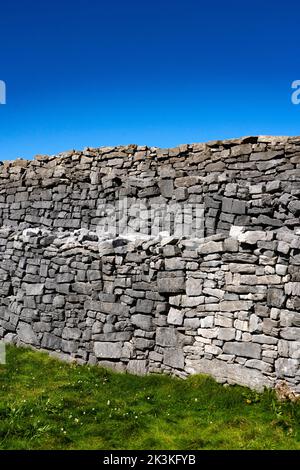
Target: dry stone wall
<point>217,293</point>
<point>251,182</point>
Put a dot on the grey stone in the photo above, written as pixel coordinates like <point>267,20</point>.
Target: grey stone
<point>187,301</point>
<point>265,220</point>
<point>173,264</point>
<point>233,206</point>
<point>192,323</point>
<point>137,367</point>
<point>232,373</point>
<point>166,187</point>
<point>34,289</point>
<point>64,277</point>
<point>260,365</point>
<point>234,305</point>
<point>194,286</point>
<point>252,350</point>
<point>265,166</point>
<point>144,306</point>
<point>294,349</point>
<point>113,336</point>
<point>142,321</point>
<point>242,268</point>
<point>264,156</point>
<point>143,344</point>
<point>290,333</point>
<point>69,346</point>
<point>275,297</point>
<point>226,334</point>
<point>175,316</point>
<point>208,332</point>
<point>166,337</point>
<point>264,339</point>
<point>108,350</point>
<point>286,367</point>
<point>58,301</point>
<point>171,285</point>
<point>281,269</point>
<point>51,341</point>
<point>292,288</point>
<point>219,293</point>
<point>207,322</point>
<point>181,194</point>
<point>174,358</point>
<point>107,307</point>
<point>252,237</point>
<point>211,247</point>
<point>283,247</point>
<point>296,319</point>
<point>222,320</point>
<point>71,333</point>
<point>230,244</point>
<point>239,257</point>
<point>26,334</point>
<point>294,207</point>
<point>253,280</point>
<point>186,181</point>
<point>82,288</point>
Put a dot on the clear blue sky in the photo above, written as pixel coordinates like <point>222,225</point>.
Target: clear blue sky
<point>93,73</point>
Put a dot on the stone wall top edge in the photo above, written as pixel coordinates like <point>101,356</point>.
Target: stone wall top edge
<point>133,149</point>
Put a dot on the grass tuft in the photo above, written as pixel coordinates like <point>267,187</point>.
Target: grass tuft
<point>47,404</point>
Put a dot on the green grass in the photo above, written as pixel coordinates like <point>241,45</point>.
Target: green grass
<point>46,404</point>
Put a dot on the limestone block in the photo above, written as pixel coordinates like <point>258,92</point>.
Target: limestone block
<point>175,317</point>
<point>108,350</point>
<point>246,349</point>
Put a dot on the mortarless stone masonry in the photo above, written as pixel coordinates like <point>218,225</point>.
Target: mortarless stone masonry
<point>222,297</point>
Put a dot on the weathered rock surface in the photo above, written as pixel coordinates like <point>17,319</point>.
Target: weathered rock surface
<point>93,265</point>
